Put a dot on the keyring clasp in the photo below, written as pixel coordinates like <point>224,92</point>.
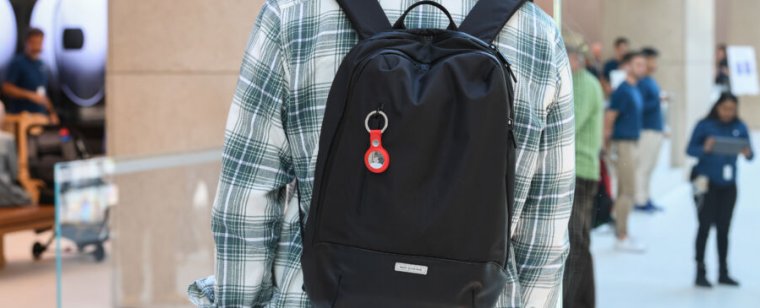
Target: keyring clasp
<point>369,116</point>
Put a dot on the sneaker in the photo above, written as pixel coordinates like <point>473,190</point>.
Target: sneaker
<point>655,206</point>
<point>605,229</point>
<point>702,283</point>
<point>728,281</point>
<point>649,207</point>
<point>629,245</point>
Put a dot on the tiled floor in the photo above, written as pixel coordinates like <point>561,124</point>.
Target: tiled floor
<point>662,277</point>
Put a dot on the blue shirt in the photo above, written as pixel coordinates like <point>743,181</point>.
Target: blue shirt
<point>627,101</point>
<point>650,92</point>
<point>713,165</point>
<point>610,66</point>
<point>29,75</point>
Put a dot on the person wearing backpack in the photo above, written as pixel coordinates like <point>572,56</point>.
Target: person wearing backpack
<point>716,207</point>
<point>430,146</point>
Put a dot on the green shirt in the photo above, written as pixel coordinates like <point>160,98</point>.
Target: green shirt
<point>589,107</point>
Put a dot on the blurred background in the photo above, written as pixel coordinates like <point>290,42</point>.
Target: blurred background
<point>142,89</point>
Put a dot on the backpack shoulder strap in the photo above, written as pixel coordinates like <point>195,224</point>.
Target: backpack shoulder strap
<point>488,17</point>
<point>366,16</point>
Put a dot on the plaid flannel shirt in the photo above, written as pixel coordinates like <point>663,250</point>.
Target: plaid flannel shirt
<point>272,137</point>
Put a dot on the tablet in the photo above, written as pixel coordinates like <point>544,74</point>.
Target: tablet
<point>729,145</point>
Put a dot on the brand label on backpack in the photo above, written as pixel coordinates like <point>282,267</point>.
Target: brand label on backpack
<point>411,268</point>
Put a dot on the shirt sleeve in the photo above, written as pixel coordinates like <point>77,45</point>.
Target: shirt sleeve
<point>695,148</point>
<point>597,119</point>
<point>651,95</point>
<point>617,100</point>
<point>541,240</point>
<point>256,167</point>
<point>608,68</point>
<point>588,112</point>
<point>14,72</point>
<point>745,134</point>
<point>583,105</point>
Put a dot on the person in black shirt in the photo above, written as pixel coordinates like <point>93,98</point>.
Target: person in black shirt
<point>622,47</point>
<point>721,70</point>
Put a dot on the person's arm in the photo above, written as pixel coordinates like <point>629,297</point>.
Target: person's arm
<point>610,116</point>
<point>696,146</point>
<point>606,86</point>
<point>13,91</point>
<point>16,92</point>
<point>540,239</point>
<point>597,116</point>
<point>583,109</point>
<point>748,153</point>
<point>605,80</point>
<point>256,167</point>
<point>618,101</point>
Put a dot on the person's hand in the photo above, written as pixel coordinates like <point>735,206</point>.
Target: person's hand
<point>38,99</point>
<point>709,144</point>
<point>54,119</point>
<point>664,97</point>
<point>606,145</point>
<point>747,152</point>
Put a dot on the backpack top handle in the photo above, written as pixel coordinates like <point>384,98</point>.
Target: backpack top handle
<point>400,22</point>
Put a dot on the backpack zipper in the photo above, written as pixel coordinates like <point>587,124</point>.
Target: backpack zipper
<point>504,60</point>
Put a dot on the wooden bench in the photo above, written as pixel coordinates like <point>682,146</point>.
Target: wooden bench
<point>22,219</point>
<point>18,124</point>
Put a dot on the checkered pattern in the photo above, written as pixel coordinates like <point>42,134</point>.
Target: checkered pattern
<point>272,137</point>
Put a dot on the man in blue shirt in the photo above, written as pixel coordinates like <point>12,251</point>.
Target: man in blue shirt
<point>26,81</point>
<point>651,134</point>
<point>621,49</point>
<point>622,130</point>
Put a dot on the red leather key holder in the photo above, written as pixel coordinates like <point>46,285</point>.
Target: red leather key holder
<point>376,158</point>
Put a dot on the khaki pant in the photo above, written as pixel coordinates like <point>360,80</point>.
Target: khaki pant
<point>649,150</point>
<point>625,163</point>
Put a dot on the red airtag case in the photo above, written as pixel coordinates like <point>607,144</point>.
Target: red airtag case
<point>376,158</point>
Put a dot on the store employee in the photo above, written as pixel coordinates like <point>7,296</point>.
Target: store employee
<point>27,78</point>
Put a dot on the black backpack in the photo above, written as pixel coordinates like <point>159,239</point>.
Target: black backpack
<point>414,183</point>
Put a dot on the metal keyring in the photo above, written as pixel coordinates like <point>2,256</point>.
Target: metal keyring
<point>385,118</point>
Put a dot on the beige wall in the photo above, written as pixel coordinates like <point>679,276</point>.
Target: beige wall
<point>722,9</point>
<point>683,32</point>
<point>584,16</point>
<point>172,69</point>
<point>546,5</point>
<point>742,30</point>
<point>686,32</point>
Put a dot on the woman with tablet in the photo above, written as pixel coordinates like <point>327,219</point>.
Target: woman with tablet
<point>717,141</point>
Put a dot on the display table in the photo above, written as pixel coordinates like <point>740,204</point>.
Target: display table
<point>22,219</point>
